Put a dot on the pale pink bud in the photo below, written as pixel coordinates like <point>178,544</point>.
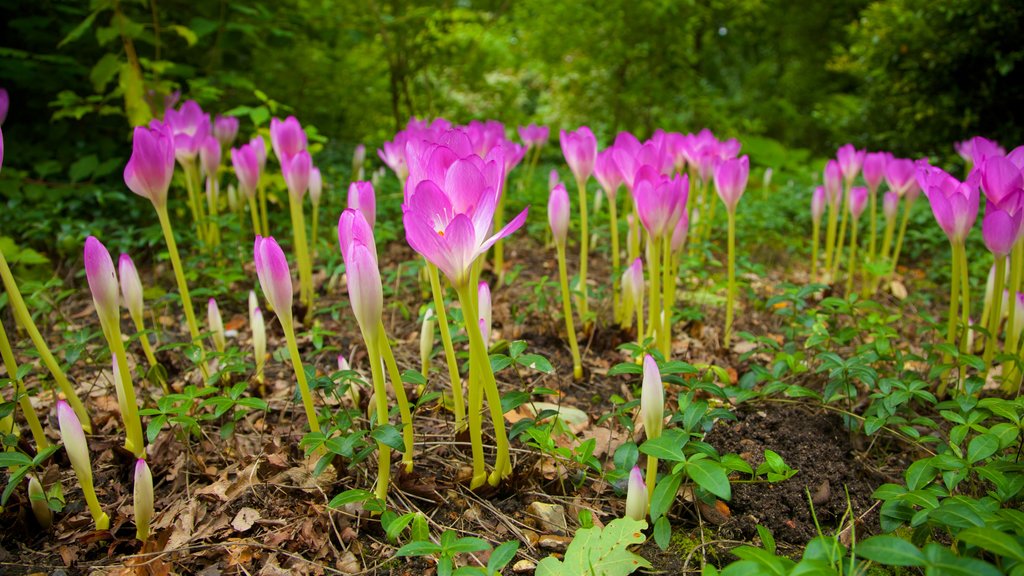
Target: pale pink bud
<point>652,399</point>
<point>636,495</point>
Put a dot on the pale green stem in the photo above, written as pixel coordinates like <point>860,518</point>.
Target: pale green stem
<point>133,442</point>
<point>458,405</point>
<point>381,397</point>
<point>147,349</point>
<point>853,257</point>
<point>616,272</point>
<point>954,295</point>
<point>960,252</point>
<point>899,238</point>
<point>581,186</point>
<point>816,232</point>
<point>665,332</point>
<point>300,374</point>
<point>570,325</point>
<point>996,316</point>
<point>400,397</point>
<point>499,222</point>
<point>841,240</point>
<point>262,191</point>
<point>11,364</point>
<point>301,253</point>
<point>830,235</point>
<point>254,213</point>
<point>640,334</point>
<point>654,269</point>
<point>190,189</point>
<point>731,287</point>
<point>211,201</point>
<point>651,478</point>
<point>179,275</point>
<point>23,318</point>
<point>873,203</point>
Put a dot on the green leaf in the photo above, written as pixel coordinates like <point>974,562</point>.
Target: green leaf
<point>77,32</point>
<point>891,551</point>
<point>9,459</point>
<point>350,496</point>
<point>501,556</point>
<point>992,540</point>
<point>982,447</point>
<point>188,35</point>
<point>662,533</point>
<point>535,362</point>
<point>395,527</point>
<point>597,551</point>
<point>468,544</point>
<point>668,446</point>
<point>418,548</point>
<point>710,476</point>
<point>664,495</point>
<point>389,435</point>
<point>102,74</point>
<point>919,474</point>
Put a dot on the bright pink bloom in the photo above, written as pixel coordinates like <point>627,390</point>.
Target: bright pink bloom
<point>274,275</point>
<point>5,102</point>
<point>296,169</point>
<point>260,148</point>
<point>680,232</point>
<point>858,200</point>
<point>353,228</point>
<point>209,155</point>
<point>833,182</point>
<point>978,149</point>
<point>99,270</point>
<point>636,495</point>
<point>954,204</point>
<point>580,151</point>
<point>151,166</point>
<point>362,197</point>
<point>247,168</point>
<point>514,154</point>
<point>874,168</point>
<point>891,205</point>
<point>533,135</point>
<point>818,200</point>
<point>190,126</point>
<point>365,291</point>
<point>393,154</point>
<point>900,176</point>
<point>850,161</point>
<point>731,180</point>
<point>660,201</point>
<point>449,215</point>
<point>1000,177</point>
<point>225,129</point>
<point>558,213</point>
<point>1001,226</point>
<point>607,172</point>
<point>287,138</point>
<point>485,136</point>
<point>1017,157</point>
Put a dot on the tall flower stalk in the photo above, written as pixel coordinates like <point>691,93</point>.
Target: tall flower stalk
<point>730,183</point>
<point>900,176</point>
<point>276,281</point>
<point>558,219</point>
<point>834,192</point>
<point>858,200</point>
<point>652,414</point>
<point>608,174</point>
<point>580,150</point>
<point>289,142</point>
<point>818,201</point>
<point>148,174</point>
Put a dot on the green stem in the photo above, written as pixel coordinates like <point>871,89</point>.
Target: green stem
<point>211,201</point>
<point>996,316</point>
<point>581,187</point>
<point>190,189</point>
<point>570,326</point>
<point>179,275</point>
<point>954,295</point>
<point>654,268</point>
<point>381,398</point>
<point>301,252</point>
<point>458,405</point>
<point>640,334</point>
<point>731,287</point>
<point>652,477</point>
<point>853,257</point>
<point>262,190</point>
<point>830,235</point>
<point>1011,311</point>
<point>616,272</point>
<point>899,238</point>
<point>133,442</point>
<point>960,253</point>
<point>499,222</point>
<point>872,192</point>
<point>147,349</point>
<point>478,355</point>
<point>300,375</point>
<point>22,316</point>
<point>816,232</point>
<point>841,240</point>
<point>255,214</point>
<point>400,397</point>
<point>666,298</point>
<point>11,364</point>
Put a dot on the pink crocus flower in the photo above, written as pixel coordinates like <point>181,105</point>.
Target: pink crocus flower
<point>954,203</point>
<point>484,306</point>
<point>1000,177</point>
<point>260,148</point>
<point>5,102</point>
<point>190,126</point>
<point>99,270</point>
<point>225,129</point>
<point>636,495</point>
<point>296,170</point>
<point>900,176</point>
<point>449,215</point>
<point>833,182</point>
<point>978,149</point>
<point>858,201</point>
<point>850,162</point>
<point>362,197</point>
<point>393,154</point>
<point>151,166</point>
<point>891,205</point>
<point>352,228</point>
<point>680,232</point>
<point>558,213</point>
<point>209,156</point>
<point>660,201</point>
<point>247,168</point>
<point>1001,225</point>
<point>533,136</point>
<point>607,172</point>
<point>287,138</point>
<point>131,286</point>
<point>274,275</point>
<point>731,180</point>
<point>580,151</point>
<point>818,200</point>
<point>316,184</point>
<point>874,168</point>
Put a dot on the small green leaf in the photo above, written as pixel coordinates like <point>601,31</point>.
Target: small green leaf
<point>710,476</point>
<point>891,551</point>
<point>992,540</point>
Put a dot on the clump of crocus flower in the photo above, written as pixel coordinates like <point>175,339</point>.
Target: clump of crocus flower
<point>834,192</point>
<point>209,161</point>
<point>636,495</point>
<point>858,196</point>
<point>873,171</point>
<point>850,161</point>
<point>366,294</point>
<point>652,413</point>
<point>289,142</point>
<point>448,215</point>
<point>77,448</point>
<point>148,174</point>
<point>730,183</point>
<point>900,177</point>
<point>276,280</point>
<point>225,129</point>
<point>608,174</point>
<point>580,150</point>
<point>142,500</point>
<point>558,219</point>
<point>99,269</point>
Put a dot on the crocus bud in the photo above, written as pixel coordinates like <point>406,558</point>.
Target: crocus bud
<point>295,170</point>
<point>874,168</point>
<point>131,287</point>
<point>484,308</point>
<point>731,180</point>
<point>75,445</point>
<point>652,399</point>
<point>260,148</point>
<point>361,197</point>
<point>216,325</point>
<point>636,283</point>
<point>558,213</point>
<point>316,185</point>
<point>365,292</point>
<point>833,182</point>
<point>99,269</point>
<point>353,227</point>
<point>553,179</point>
<point>149,170</point>
<point>850,161</point>
<point>818,200</point>
<point>359,155</point>
<point>343,364</point>
<point>209,156</point>
<point>259,340</point>
<point>287,138</point>
<point>680,232</point>
<point>225,129</point>
<point>999,229</point>
<point>901,176</point>
<point>5,102</point>
<point>247,168</point>
<point>858,200</point>
<point>607,172</point>
<point>275,277</point>
<point>766,179</point>
<point>143,499</point>
<point>636,495</point>
<point>254,302</point>
<point>890,205</point>
<point>580,151</point>
<point>427,338</point>
<point>40,507</point>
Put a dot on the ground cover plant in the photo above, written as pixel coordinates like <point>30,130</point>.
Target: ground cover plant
<point>720,355</point>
